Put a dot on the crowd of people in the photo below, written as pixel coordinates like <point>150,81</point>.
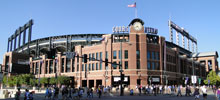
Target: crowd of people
<point>174,90</point>
<point>70,93</point>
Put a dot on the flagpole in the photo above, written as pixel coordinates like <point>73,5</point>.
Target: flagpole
<point>136,16</point>
<point>136,12</point>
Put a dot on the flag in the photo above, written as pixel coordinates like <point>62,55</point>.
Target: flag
<point>132,5</point>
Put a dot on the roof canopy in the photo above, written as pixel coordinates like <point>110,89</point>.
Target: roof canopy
<point>136,20</point>
<point>205,54</point>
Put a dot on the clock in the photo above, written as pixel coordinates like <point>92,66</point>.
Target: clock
<point>137,26</point>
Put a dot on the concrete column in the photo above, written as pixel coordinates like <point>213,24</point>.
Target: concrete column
<point>171,32</point>
<point>177,38</point>
<point>29,31</point>
<point>29,35</point>
<point>8,44</point>
<point>37,48</point>
<point>24,36</point>
<point>19,37</point>
<point>65,65</point>
<point>192,46</point>
<point>188,43</point>
<point>196,48</point>
<point>11,44</point>
<point>15,40</point>
<point>183,41</point>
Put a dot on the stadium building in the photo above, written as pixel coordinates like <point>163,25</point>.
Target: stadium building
<point>146,57</point>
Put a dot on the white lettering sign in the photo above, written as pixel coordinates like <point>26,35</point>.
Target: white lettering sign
<point>118,29</point>
<point>155,79</point>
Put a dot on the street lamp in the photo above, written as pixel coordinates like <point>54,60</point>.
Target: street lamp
<point>121,89</point>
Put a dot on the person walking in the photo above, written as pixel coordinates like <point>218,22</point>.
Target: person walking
<point>179,91</point>
<point>17,95</point>
<point>91,92</point>
<point>218,93</point>
<point>26,94</point>
<point>204,91</point>
<point>46,94</point>
<point>196,93</point>
<point>99,92</point>
<point>139,89</point>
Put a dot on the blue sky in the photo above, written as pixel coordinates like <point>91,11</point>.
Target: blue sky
<point>201,18</point>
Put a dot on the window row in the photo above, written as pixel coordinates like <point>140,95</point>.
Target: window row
<point>117,54</point>
<point>153,55</point>
<point>92,67</point>
<point>153,65</point>
<point>171,59</point>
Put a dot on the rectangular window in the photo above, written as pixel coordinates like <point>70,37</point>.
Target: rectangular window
<point>106,55</point>
<point>89,67</point>
<point>90,57</point>
<point>97,67</point>
<point>126,64</point>
<point>37,68</point>
<point>158,55</point>
<point>97,55</point>
<point>33,67</point>
<point>157,66</point>
<point>210,64</point>
<point>153,56</point>
<point>51,66</point>
<point>40,66</point>
<point>77,67</point>
<point>93,66</point>
<point>138,54</point>
<point>68,61</point>
<point>93,57</point>
<point>148,54</point>
<point>100,54</point>
<point>73,65</point>
<point>114,55</point>
<point>148,65</point>
<point>119,54</point>
<point>126,54</point>
<point>138,64</point>
<point>62,65</point>
<point>46,71</point>
<point>100,68</point>
<point>153,66</point>
<point>82,67</point>
<point>85,67</point>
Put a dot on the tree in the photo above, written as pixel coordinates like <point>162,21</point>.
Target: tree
<point>53,80</point>
<point>63,79</point>
<point>213,77</point>
<point>43,80</point>
<point>33,82</point>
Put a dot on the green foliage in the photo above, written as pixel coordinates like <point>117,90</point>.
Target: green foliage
<point>213,77</point>
<point>43,80</point>
<point>33,81</point>
<point>23,79</point>
<point>29,79</point>
<point>53,80</point>
<point>63,79</point>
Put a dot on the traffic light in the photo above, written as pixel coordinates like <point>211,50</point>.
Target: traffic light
<point>51,54</point>
<point>85,58</point>
<point>106,62</point>
<point>122,77</point>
